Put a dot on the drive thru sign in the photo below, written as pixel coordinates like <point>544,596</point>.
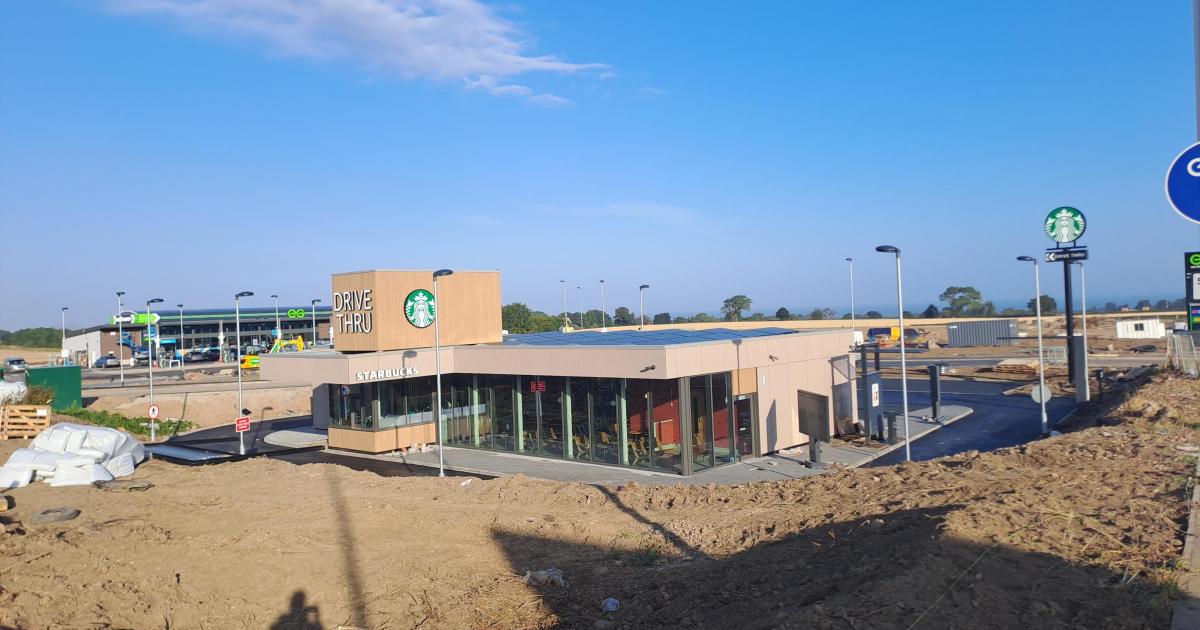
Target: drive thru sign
<point>241,424</point>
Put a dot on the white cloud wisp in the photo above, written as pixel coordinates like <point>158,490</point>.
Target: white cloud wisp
<point>432,39</point>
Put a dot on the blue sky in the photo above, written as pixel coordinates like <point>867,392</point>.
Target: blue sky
<point>191,149</point>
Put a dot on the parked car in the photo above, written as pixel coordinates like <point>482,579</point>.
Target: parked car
<point>14,364</point>
<point>107,362</point>
<point>207,354</point>
<point>141,356</point>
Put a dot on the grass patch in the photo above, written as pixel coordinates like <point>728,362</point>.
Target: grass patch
<point>113,420</point>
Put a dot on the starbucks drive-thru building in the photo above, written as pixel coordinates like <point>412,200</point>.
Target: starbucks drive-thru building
<point>661,399</point>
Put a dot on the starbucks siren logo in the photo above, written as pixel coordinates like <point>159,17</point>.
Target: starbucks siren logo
<point>1065,224</point>
<point>420,308</point>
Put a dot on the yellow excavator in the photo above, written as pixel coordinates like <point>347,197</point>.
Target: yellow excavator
<point>251,361</point>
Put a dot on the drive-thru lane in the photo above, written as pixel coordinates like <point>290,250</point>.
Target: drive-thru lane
<point>998,420</point>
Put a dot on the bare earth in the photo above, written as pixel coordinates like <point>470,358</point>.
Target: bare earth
<point>1076,531</point>
<point>207,409</point>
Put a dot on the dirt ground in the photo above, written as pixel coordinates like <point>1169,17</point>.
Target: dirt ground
<point>207,409</point>
<point>32,356</point>
<point>1078,531</point>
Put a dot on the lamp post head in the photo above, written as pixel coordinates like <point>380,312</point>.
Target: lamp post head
<point>315,302</point>
<point>275,296</point>
<point>243,294</point>
<point>1027,259</point>
<point>154,301</point>
<point>888,249</point>
<point>849,259</point>
<point>65,307</point>
<point>120,293</point>
<point>644,286</point>
<point>442,272</point>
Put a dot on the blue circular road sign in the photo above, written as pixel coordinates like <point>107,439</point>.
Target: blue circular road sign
<point>1183,183</point>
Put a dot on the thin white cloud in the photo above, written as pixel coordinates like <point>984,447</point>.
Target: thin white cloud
<point>480,221</point>
<point>653,91</point>
<point>430,39</point>
<point>660,213</point>
<point>549,99</point>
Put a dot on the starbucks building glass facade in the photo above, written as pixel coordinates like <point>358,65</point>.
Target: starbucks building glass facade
<point>678,425</point>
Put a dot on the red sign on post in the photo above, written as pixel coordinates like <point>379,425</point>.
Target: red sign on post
<point>537,386</point>
<point>241,424</point>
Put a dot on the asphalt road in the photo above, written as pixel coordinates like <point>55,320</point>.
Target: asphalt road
<point>998,420</point>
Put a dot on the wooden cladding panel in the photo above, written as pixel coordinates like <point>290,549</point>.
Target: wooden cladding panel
<point>468,309</point>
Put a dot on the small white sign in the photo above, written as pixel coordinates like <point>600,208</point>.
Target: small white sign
<point>153,412</point>
<point>874,394</point>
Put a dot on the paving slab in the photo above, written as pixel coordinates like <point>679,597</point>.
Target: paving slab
<point>773,467</point>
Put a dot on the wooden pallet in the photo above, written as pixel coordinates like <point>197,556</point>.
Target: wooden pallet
<point>23,421</point>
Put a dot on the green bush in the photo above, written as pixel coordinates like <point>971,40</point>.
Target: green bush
<point>125,423</point>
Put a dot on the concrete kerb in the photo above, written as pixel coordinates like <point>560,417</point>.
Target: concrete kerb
<point>962,412</point>
<point>1186,615</point>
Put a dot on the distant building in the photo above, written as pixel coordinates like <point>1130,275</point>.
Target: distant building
<point>201,328</point>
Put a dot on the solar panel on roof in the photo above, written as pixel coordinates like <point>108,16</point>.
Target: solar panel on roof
<point>639,338</point>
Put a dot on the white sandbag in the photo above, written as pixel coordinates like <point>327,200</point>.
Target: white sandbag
<point>96,454</point>
<point>106,440</point>
<point>13,478</point>
<point>75,439</point>
<point>22,459</point>
<point>121,465</point>
<point>12,391</point>
<point>34,459</point>
<point>53,439</point>
<point>82,476</point>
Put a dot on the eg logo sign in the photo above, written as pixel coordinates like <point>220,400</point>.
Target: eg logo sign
<point>1183,183</point>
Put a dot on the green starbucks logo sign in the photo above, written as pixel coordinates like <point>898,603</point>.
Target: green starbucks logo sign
<point>1065,224</point>
<point>420,308</point>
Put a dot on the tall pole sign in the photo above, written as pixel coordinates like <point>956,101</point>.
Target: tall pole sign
<point>1065,225</point>
<point>1191,272</point>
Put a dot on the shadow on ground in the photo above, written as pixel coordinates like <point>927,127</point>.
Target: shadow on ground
<point>895,570</point>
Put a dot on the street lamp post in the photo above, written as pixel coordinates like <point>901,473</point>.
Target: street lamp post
<point>121,338</point>
<point>566,322</point>
<point>314,303</point>
<point>437,360</point>
<point>278,326</point>
<point>1037,303</point>
<point>179,342</point>
<point>1083,298</point>
<point>237,323</point>
<point>603,310</point>
<point>580,289</point>
<point>63,349</point>
<point>150,361</point>
<point>642,305</point>
<point>889,249</point>
<point>851,261</point>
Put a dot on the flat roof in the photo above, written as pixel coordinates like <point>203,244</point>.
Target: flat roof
<point>668,337</point>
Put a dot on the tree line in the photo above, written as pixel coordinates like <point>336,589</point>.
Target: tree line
<point>965,301</point>
<point>43,337</point>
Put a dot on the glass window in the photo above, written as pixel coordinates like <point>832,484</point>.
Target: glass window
<point>351,406</point>
<point>743,410</point>
<point>605,424</point>
<point>456,409</point>
<point>504,430</point>
<point>665,424</point>
<point>550,405</point>
<point>637,406</point>
<point>391,404</point>
<point>581,425</point>
<point>419,392</point>
<point>722,442</point>
<point>701,425</point>
<point>528,401</point>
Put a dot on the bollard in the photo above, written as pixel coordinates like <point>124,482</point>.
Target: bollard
<point>935,389</point>
<point>890,419</point>
<point>814,454</point>
<point>1100,385</point>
